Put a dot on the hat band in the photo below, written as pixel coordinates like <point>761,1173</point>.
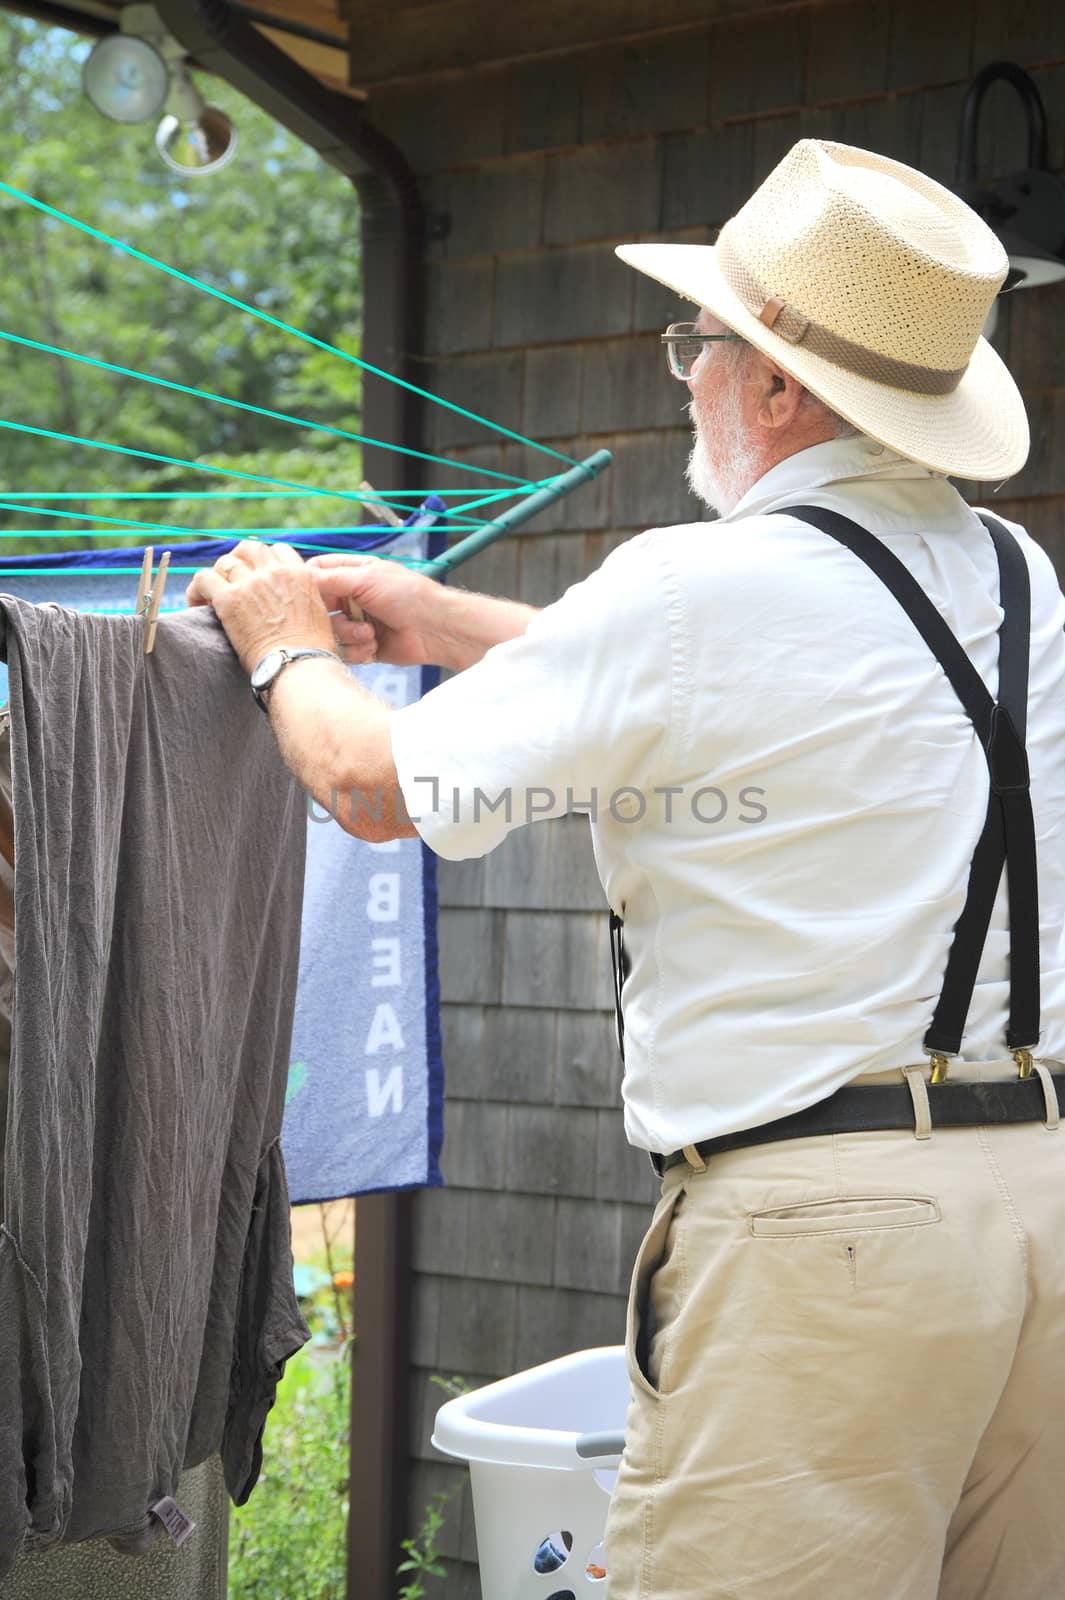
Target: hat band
<point>796,329</point>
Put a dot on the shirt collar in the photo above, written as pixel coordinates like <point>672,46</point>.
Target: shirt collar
<point>834,461</point>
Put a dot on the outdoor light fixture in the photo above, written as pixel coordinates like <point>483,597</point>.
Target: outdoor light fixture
<point>131,76</point>
<point>193,138</point>
<point>126,78</point>
<point>1027,209</point>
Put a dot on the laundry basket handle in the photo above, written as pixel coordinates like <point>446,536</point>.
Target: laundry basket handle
<point>596,1446</point>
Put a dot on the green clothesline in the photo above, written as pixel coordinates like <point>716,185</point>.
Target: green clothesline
<point>250,494</point>
<point>494,497</point>
<point>79,516</point>
<point>133,572</point>
<point>253,535</point>
<point>137,526</point>
<point>238,405</point>
<point>472,544</point>
<point>227,472</point>
<point>534,494</point>
<point>416,562</point>
<point>276,322</point>
<point>223,536</point>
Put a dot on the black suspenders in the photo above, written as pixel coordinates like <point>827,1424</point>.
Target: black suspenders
<point>1008,837</point>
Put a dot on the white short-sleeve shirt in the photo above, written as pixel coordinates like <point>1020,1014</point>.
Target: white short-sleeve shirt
<point>786,789</point>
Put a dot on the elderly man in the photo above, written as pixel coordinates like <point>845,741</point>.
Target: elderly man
<point>813,735</point>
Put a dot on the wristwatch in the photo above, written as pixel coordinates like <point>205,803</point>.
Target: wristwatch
<point>266,673</point>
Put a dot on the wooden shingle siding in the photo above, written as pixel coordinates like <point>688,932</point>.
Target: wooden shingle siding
<point>413,39</point>
<point>532,167</point>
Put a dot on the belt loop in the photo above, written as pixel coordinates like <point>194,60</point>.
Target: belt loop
<point>693,1158</point>
<point>1050,1094</point>
<point>922,1115</point>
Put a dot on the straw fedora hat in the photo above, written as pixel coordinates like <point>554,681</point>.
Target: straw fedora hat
<point>869,283</point>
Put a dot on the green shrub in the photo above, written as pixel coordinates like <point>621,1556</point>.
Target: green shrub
<point>289,1541</point>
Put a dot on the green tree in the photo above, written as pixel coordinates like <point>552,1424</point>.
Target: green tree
<point>276,228</point>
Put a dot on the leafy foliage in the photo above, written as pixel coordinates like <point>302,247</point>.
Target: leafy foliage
<point>290,1539</point>
<point>276,228</point>
<point>422,1558</point>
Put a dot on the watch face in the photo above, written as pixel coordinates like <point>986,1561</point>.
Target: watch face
<point>267,670</point>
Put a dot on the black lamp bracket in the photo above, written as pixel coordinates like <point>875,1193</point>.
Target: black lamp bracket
<point>1009,72</point>
<point>1027,208</point>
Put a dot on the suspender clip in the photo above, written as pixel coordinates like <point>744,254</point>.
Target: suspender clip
<point>1023,1058</point>
<point>940,1066</point>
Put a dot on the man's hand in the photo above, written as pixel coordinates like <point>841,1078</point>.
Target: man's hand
<point>410,619</point>
<point>266,599</point>
<point>400,608</point>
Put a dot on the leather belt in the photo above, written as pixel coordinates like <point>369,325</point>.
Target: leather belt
<point>879,1107</point>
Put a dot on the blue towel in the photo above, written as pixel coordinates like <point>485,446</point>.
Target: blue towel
<point>364,1107</point>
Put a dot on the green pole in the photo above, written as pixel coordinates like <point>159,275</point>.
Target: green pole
<point>507,521</point>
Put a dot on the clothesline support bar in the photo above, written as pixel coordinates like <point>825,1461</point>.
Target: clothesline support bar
<point>525,509</point>
<point>274,322</point>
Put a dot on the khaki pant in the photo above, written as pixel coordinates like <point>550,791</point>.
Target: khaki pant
<point>848,1366</point>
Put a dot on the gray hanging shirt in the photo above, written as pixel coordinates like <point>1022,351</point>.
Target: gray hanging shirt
<point>146,1300</point>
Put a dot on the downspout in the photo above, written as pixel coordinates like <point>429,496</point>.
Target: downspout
<point>392,222</point>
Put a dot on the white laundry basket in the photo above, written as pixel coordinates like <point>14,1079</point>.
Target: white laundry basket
<point>543,1449</point>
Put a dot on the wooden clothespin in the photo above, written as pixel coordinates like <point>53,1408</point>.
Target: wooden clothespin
<point>150,596</point>
<point>386,513</point>
<point>353,608</point>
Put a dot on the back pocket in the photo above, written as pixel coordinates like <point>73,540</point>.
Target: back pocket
<point>845,1214</point>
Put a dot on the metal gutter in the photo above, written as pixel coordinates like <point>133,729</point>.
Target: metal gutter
<point>226,44</point>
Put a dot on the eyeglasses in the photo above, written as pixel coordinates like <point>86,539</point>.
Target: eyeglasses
<point>685,344</point>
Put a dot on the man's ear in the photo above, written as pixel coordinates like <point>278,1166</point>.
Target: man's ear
<point>779,394</point>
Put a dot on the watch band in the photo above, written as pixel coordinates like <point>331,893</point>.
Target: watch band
<point>262,691</point>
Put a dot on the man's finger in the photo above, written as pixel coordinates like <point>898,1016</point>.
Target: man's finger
<point>339,559</point>
<point>338,585</point>
<point>251,553</point>
<point>356,634</point>
<point>287,556</point>
<point>355,641</point>
<point>204,588</point>
<point>356,657</point>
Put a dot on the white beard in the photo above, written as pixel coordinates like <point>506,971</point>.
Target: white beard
<point>722,465</point>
